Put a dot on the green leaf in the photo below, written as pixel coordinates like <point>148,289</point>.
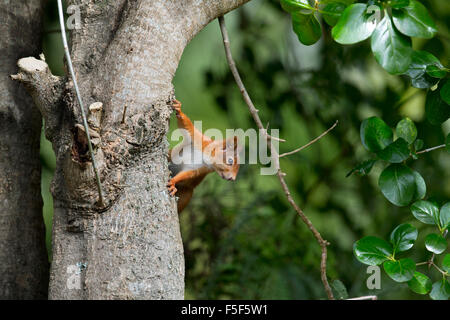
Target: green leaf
<point>440,290</point>
<point>420,283</point>
<point>407,130</point>
<point>425,211</point>
<point>447,143</point>
<point>346,2</point>
<point>436,109</point>
<point>436,71</point>
<point>446,263</point>
<point>363,168</point>
<point>392,50</point>
<point>417,70</point>
<point>435,243</point>
<point>418,145</point>
<point>355,25</point>
<point>445,92</point>
<point>396,152</point>
<point>444,216</point>
<point>421,187</point>
<point>340,292</point>
<point>295,5</point>
<point>375,134</point>
<point>397,4</point>
<point>414,21</point>
<point>307,28</point>
<point>398,184</point>
<point>333,12</point>
<point>401,270</point>
<point>403,237</point>
<point>372,250</point>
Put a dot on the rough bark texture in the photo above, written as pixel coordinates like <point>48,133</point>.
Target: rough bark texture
<point>23,257</point>
<point>125,54</point>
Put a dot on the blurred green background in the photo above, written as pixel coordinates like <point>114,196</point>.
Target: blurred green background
<point>242,240</point>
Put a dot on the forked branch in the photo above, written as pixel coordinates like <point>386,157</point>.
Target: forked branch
<point>275,158</point>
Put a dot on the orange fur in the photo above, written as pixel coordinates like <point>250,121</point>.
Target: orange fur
<point>222,155</point>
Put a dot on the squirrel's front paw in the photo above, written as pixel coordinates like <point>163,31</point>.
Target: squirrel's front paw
<point>176,105</point>
<point>172,188</point>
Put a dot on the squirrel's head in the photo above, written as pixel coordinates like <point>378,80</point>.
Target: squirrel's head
<point>225,158</point>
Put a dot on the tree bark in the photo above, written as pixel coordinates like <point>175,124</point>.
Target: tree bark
<point>125,55</point>
<point>23,257</point>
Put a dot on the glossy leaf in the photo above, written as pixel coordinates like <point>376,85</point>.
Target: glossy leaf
<point>397,4</point>
<point>372,250</point>
<point>444,216</point>
<point>418,144</point>
<point>398,184</point>
<point>445,92</point>
<point>403,237</point>
<point>440,290</point>
<point>396,152</point>
<point>435,243</point>
<point>417,70</point>
<point>294,5</point>
<point>346,2</point>
<point>446,263</point>
<point>414,21</point>
<point>436,71</point>
<point>401,270</point>
<point>425,211</point>
<point>391,49</point>
<point>306,27</point>
<point>363,168</point>
<point>332,12</point>
<point>421,187</point>
<point>355,25</point>
<point>447,143</point>
<point>436,109</point>
<point>340,292</point>
<point>420,283</point>
<point>407,130</point>
<point>375,134</point>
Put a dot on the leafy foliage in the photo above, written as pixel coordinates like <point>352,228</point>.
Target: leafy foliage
<point>390,39</point>
<point>402,185</point>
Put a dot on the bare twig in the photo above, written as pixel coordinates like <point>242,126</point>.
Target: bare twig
<point>83,114</point>
<point>365,298</point>
<point>311,142</point>
<point>271,137</point>
<point>432,264</point>
<point>431,149</point>
<point>275,158</point>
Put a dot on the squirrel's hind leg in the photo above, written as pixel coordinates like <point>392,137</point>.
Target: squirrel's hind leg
<point>184,198</point>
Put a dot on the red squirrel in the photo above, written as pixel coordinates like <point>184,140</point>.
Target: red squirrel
<point>196,156</point>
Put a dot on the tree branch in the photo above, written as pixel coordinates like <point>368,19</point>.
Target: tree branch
<point>311,142</point>
<point>45,88</point>
<point>275,158</point>
<point>364,298</point>
<point>430,149</point>
<point>216,9</point>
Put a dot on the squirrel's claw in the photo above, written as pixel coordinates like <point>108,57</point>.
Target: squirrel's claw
<point>176,105</point>
<point>172,188</point>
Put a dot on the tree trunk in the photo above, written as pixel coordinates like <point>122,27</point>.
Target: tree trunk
<point>23,258</point>
<point>125,56</point>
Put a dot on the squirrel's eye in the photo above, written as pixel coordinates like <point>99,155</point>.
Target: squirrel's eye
<point>230,161</point>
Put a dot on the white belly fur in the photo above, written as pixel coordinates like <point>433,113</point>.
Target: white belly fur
<point>187,157</point>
